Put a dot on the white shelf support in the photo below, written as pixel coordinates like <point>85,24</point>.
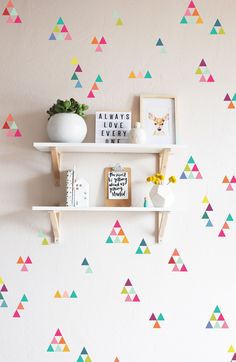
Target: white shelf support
<point>55,222</point>
<point>56,164</point>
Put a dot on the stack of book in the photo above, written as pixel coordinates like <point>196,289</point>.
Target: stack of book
<point>70,194</point>
<point>77,190</point>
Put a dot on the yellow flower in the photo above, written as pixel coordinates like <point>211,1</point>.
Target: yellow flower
<point>172,179</point>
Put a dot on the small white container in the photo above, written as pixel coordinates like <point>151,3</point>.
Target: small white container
<point>137,134</point>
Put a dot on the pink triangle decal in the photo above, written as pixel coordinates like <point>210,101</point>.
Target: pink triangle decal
<point>90,95</point>
<point>98,49</point>
<point>128,299</point>
<point>28,260</point>
<point>117,224</point>
<point>221,234</point>
<point>229,188</point>
<point>199,176</point>
<point>202,79</point>
<point>136,299</point>
<point>183,268</point>
<point>24,268</point>
<point>58,333</point>
<point>17,133</point>
<point>68,37</point>
<point>54,341</point>
<point>102,41</point>
<point>195,168</point>
<point>191,5</point>
<point>210,79</point>
<point>16,314</point>
<point>175,269</point>
<point>113,232</point>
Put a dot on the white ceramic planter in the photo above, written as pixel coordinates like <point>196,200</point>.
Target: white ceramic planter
<point>66,127</point>
<point>161,196</point>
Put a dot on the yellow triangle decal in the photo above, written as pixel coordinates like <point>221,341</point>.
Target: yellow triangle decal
<point>66,349</point>
<point>132,75</point>
<point>205,200</point>
<point>57,295</point>
<point>74,61</point>
<point>56,29</point>
<point>199,20</point>
<point>125,240</point>
<point>231,349</point>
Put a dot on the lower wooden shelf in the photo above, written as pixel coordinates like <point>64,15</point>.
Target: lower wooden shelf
<point>54,213</point>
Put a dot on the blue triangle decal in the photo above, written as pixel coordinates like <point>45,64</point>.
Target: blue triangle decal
<point>52,37</point>
<point>183,176</point>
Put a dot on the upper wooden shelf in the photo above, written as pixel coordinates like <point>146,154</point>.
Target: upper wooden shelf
<point>103,147</point>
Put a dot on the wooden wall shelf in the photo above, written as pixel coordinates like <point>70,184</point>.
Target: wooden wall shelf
<point>161,152</point>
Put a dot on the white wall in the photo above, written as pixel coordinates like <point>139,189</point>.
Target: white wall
<point>35,72</point>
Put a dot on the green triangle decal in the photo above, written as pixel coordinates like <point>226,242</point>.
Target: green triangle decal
<point>73,295</point>
<point>74,77</point>
<point>139,251</point>
<point>89,270</point>
<point>132,291</point>
<point>50,349</point>
<point>160,318</point>
<point>213,32</point>
<point>124,291</point>
<point>217,309</point>
<point>58,348</point>
<point>98,79</point>
<point>24,298</point>
<point>60,21</point>
<point>191,176</point>
<point>109,240</point>
<point>87,359</point>
<point>148,75</point>
<point>179,261</point>
<point>191,160</point>
<point>80,359</point>
<point>229,218</point>
<point>216,325</point>
<point>183,20</point>
<point>205,216</point>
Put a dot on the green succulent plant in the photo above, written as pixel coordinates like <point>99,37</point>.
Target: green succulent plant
<point>67,106</point>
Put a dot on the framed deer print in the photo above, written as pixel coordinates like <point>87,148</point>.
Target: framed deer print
<point>157,116</point>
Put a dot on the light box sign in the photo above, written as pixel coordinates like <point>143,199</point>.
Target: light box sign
<point>112,127</point>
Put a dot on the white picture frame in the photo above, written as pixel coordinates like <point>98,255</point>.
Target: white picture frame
<point>158,118</point>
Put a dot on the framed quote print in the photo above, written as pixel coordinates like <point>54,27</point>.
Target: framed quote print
<point>117,186</point>
<point>158,118</point>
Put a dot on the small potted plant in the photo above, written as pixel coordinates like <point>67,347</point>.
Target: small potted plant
<point>160,194</point>
<point>66,121</point>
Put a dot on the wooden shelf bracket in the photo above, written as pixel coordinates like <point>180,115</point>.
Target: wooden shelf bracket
<point>56,158</point>
<point>161,221</point>
<point>162,160</point>
<point>55,222</point>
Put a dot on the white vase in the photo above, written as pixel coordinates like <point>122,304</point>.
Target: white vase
<point>137,134</point>
<point>66,127</point>
<point>161,196</point>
